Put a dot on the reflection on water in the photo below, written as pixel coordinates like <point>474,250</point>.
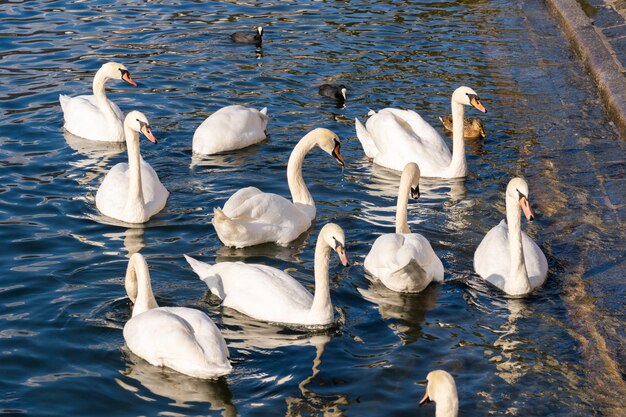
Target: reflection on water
<point>182,389</point>
<point>290,253</point>
<point>405,313</point>
<point>133,239</point>
<point>94,156</point>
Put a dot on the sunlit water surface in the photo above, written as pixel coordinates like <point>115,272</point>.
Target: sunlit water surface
<point>557,352</point>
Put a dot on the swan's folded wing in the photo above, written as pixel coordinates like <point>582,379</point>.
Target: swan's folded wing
<point>267,208</point>
<point>113,192</point>
<point>418,125</point>
<point>491,259</point>
<point>207,335</point>
<point>154,192</point>
<point>369,147</point>
<point>263,292</point>
<point>536,262</point>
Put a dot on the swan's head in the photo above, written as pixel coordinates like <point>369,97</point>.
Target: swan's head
<point>138,122</point>
<point>335,238</point>
<point>117,71</point>
<point>343,90</point>
<point>517,190</point>
<point>411,175</point>
<point>136,263</point>
<point>468,97</point>
<point>329,142</point>
<point>441,389</point>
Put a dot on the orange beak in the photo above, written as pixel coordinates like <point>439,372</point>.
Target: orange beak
<point>126,77</point>
<point>425,399</point>
<point>148,133</point>
<point>343,257</point>
<point>337,155</point>
<point>477,104</point>
<point>523,202</point>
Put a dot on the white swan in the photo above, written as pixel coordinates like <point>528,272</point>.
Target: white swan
<point>94,116</point>
<point>441,389</point>
<point>251,217</point>
<point>230,128</point>
<point>404,261</point>
<point>180,338</point>
<point>269,294</point>
<point>132,192</point>
<point>396,137</point>
<point>507,257</point>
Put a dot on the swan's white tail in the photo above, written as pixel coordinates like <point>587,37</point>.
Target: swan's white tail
<point>206,274</point>
<point>263,114</point>
<point>63,99</point>
<point>366,139</point>
<point>410,278</point>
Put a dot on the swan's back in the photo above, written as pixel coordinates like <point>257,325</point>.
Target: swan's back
<point>84,119</point>
<point>402,136</point>
<point>183,339</point>
<point>258,291</point>
<point>404,262</point>
<point>230,128</point>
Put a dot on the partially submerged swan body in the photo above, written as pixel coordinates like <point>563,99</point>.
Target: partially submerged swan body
<point>472,126</point>
<point>132,192</point>
<point>183,339</point>
<point>251,217</point>
<point>507,257</point>
<point>441,389</point>
<point>230,128</point>
<point>394,137</point>
<point>404,261</point>
<point>271,295</point>
<point>95,117</point>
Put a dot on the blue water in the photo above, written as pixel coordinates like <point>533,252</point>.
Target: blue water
<point>558,352</point>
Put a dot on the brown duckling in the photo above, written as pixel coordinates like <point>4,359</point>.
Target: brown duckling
<point>472,126</point>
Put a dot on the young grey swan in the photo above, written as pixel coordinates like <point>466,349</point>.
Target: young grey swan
<point>243,37</point>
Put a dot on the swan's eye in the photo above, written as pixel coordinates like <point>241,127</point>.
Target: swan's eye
<point>520,194</point>
<point>337,243</point>
<point>143,125</point>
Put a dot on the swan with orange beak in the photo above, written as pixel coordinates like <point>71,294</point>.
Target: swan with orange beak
<point>507,257</point>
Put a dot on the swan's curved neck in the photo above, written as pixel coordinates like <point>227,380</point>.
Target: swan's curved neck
<point>402,224</point>
<point>299,192</point>
<point>449,408</point>
<point>322,308</point>
<point>135,202</point>
<point>518,282</point>
<point>138,285</point>
<point>100,95</point>
<point>458,165</point>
